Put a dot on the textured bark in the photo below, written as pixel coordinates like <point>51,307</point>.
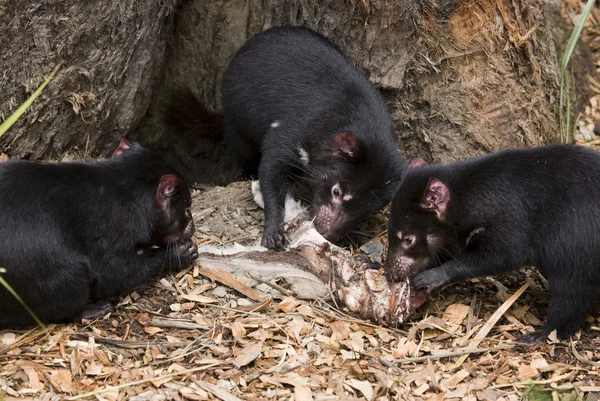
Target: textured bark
<point>462,77</point>
<point>111,53</point>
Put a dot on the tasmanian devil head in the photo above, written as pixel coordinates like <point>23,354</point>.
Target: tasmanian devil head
<point>350,183</point>
<point>169,194</point>
<point>418,234</point>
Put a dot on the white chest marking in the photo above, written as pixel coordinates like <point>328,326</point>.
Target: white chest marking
<point>275,124</point>
<point>303,155</point>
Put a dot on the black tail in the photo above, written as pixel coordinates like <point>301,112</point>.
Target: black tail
<point>185,114</point>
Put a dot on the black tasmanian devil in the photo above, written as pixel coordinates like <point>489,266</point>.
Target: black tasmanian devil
<point>495,213</point>
<point>296,110</point>
<point>75,235</point>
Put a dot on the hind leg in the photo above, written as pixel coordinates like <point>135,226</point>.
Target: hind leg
<point>241,150</point>
<point>572,301</point>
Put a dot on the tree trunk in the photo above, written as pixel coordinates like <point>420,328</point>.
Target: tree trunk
<point>462,77</point>
<point>111,53</point>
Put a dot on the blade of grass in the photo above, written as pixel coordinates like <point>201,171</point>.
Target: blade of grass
<point>10,289</point>
<point>575,35</point>
<point>19,112</point>
<point>565,100</point>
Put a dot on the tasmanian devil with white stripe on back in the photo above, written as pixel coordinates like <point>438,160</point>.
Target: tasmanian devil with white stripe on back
<point>495,213</point>
<point>296,111</point>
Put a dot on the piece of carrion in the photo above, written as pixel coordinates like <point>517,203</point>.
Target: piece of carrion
<point>314,268</point>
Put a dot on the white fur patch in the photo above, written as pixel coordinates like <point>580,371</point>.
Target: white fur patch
<point>472,234</point>
<point>303,155</point>
<point>275,124</point>
<point>292,207</point>
<point>258,199</point>
<point>347,197</point>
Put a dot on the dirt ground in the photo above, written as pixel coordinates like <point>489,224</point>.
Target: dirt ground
<point>189,337</point>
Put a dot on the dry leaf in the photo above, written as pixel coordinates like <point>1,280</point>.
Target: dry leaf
<point>249,353</point>
<point>237,330</point>
<point>152,330</point>
<point>527,372</point>
<point>201,299</point>
<point>94,369</point>
<point>363,386</point>
<point>340,330</point>
<point>32,374</point>
<point>3,157</point>
<point>456,313</point>
<point>302,393</point>
<point>61,380</point>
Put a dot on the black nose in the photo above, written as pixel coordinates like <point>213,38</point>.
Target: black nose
<point>391,274</point>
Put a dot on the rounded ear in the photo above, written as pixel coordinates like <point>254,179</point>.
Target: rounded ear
<point>436,196</point>
<point>345,144</point>
<point>166,188</point>
<point>417,162</point>
<point>124,146</point>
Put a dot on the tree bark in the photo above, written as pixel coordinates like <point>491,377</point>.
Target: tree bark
<point>462,77</point>
<point>111,52</point>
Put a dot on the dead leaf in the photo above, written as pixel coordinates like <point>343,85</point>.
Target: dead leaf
<point>237,330</point>
<point>363,386</point>
<point>32,374</point>
<point>201,299</point>
<point>527,372</point>
<point>94,369</point>
<point>302,393</point>
<point>456,313</point>
<point>152,330</point>
<point>61,380</point>
<point>3,157</point>
<point>249,353</point>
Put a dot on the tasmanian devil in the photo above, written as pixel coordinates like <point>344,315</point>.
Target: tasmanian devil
<point>75,235</point>
<point>295,110</point>
<point>495,213</point>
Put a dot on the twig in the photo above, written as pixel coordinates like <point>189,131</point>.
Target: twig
<point>128,344</point>
<point>582,359</point>
<point>158,378</point>
<point>217,391</point>
<point>535,382</point>
<point>451,354</point>
<point>483,332</point>
<point>178,324</point>
<point>276,287</point>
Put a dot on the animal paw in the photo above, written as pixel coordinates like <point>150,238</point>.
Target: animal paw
<point>274,239</point>
<point>430,280</point>
<point>532,339</point>
<point>95,311</point>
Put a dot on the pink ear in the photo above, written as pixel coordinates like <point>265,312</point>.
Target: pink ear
<point>166,188</point>
<point>345,143</point>
<point>436,196</point>
<point>417,162</point>
<point>124,145</point>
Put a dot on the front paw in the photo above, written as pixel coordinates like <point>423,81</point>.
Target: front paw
<point>274,238</point>
<point>430,280</point>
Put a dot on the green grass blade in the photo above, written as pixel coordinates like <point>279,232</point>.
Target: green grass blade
<point>19,112</point>
<point>575,35</point>
<point>9,288</point>
<point>566,91</point>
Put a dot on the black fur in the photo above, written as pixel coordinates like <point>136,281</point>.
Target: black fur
<point>75,235</point>
<point>288,89</point>
<point>529,207</point>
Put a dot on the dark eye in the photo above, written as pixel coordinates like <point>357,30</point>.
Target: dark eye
<point>408,240</point>
<point>336,191</point>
